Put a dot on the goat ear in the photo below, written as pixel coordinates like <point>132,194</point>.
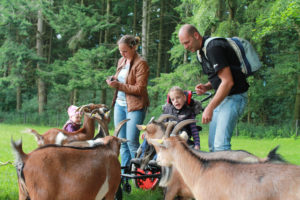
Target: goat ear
<point>141,127</point>
<point>157,142</point>
<point>184,135</point>
<point>107,114</point>
<point>97,116</point>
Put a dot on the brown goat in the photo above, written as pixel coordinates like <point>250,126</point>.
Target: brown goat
<point>67,173</point>
<point>221,179</point>
<point>171,179</point>
<point>60,137</point>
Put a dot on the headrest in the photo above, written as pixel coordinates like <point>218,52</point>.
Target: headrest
<point>188,95</point>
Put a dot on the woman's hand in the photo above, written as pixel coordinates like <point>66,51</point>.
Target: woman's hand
<point>112,82</point>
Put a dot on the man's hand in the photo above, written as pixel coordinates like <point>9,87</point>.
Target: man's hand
<point>207,115</point>
<point>200,89</point>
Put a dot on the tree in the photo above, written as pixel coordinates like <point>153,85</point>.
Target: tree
<point>40,52</point>
<point>145,30</point>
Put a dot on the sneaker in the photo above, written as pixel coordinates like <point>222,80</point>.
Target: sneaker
<point>153,163</point>
<point>137,161</point>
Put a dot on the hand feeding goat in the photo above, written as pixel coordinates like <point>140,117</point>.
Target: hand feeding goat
<point>220,179</point>
<point>171,179</point>
<point>59,136</point>
<point>62,173</point>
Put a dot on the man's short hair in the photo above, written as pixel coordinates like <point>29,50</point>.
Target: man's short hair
<point>190,29</point>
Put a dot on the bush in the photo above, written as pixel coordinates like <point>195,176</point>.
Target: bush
<point>263,131</point>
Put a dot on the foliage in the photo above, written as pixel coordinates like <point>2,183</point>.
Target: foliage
<point>262,131</point>
<point>77,59</point>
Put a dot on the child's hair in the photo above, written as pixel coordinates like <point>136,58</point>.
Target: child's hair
<point>72,110</point>
<point>130,40</point>
<point>176,89</point>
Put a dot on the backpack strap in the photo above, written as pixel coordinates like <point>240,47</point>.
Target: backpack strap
<point>206,43</point>
<point>240,52</point>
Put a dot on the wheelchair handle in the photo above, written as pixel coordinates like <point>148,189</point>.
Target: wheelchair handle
<point>207,94</point>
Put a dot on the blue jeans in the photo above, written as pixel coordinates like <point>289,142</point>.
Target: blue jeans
<point>129,131</point>
<point>225,117</point>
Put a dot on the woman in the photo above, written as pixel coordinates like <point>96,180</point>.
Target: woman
<point>131,96</point>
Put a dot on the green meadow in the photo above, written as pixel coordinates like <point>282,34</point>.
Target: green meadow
<point>289,149</point>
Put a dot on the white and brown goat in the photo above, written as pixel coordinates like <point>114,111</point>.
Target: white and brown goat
<point>67,173</point>
<point>60,137</point>
<point>171,180</point>
<point>217,179</point>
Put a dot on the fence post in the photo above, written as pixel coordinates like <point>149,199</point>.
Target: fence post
<point>237,129</point>
<point>24,117</point>
<point>297,120</point>
<point>57,119</point>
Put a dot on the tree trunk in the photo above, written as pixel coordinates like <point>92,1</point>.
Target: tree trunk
<point>19,99</point>
<point>297,102</point>
<point>160,44</point>
<point>232,10</point>
<point>50,46</point>
<point>231,6</point>
<point>106,36</point>
<point>75,94</point>
<point>106,40</point>
<point>144,29</point>
<point>219,14</point>
<point>148,25</point>
<point>134,17</point>
<point>39,47</point>
<point>185,55</point>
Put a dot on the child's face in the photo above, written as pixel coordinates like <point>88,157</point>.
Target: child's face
<point>178,99</point>
<point>76,119</point>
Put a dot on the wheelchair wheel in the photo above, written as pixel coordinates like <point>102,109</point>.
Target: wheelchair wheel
<point>134,181</point>
<point>146,183</point>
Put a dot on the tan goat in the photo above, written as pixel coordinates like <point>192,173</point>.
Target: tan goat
<point>171,179</point>
<point>221,179</point>
<point>68,173</point>
<point>59,136</point>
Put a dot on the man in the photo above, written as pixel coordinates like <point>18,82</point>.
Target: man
<point>225,77</point>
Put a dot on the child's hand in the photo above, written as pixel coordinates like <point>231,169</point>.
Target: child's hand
<point>196,147</point>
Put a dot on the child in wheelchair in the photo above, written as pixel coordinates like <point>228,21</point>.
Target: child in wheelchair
<point>181,105</point>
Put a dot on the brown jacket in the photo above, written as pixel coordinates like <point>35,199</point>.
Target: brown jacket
<point>135,87</point>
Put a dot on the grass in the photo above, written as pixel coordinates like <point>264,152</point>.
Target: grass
<point>289,149</point>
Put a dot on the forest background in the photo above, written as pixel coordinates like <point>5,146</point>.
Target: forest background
<point>57,53</point>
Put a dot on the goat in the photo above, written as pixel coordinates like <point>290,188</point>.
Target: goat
<point>60,137</point>
<point>62,173</point>
<point>216,179</point>
<point>171,179</point>
<point>102,132</point>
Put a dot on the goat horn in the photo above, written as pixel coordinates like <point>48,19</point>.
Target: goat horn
<point>79,109</point>
<point>151,120</point>
<point>181,124</point>
<point>170,125</point>
<point>165,116</point>
<point>118,128</point>
<point>93,112</point>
